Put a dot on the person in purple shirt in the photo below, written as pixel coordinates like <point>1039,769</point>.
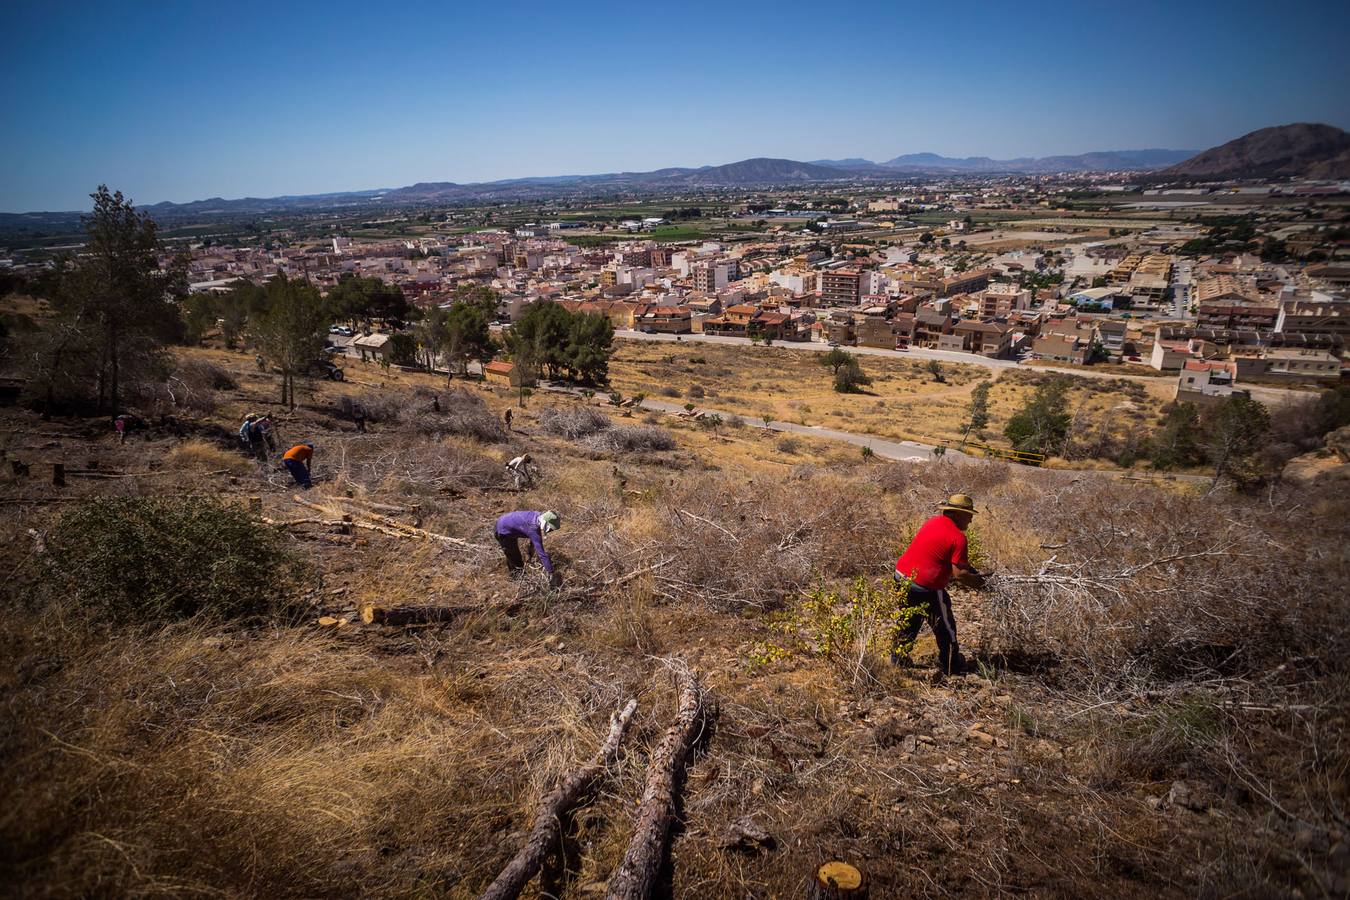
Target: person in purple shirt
<point>526,523</point>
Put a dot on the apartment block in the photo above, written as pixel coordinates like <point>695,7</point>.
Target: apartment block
<point>841,287</point>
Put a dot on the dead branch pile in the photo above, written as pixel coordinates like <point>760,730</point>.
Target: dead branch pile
<point>461,412</point>
<point>630,439</point>
<point>1133,579</point>
<point>722,540</point>
<point>573,422</point>
<point>412,466</point>
<point>372,521</point>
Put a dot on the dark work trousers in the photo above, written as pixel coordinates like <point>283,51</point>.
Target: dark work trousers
<point>937,611</point>
<point>511,548</point>
<point>299,471</point>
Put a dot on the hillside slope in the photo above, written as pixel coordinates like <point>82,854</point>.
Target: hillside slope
<point>1300,151</point>
<point>1092,752</point>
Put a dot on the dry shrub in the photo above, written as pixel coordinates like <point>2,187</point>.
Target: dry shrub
<point>462,413</point>
<point>1156,584</point>
<point>384,406</point>
<point>195,453</point>
<point>718,539</point>
<point>573,422</point>
<point>415,466</point>
<point>192,385</point>
<point>630,439</point>
<point>928,484</point>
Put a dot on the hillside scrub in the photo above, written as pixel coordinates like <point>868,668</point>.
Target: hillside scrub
<point>425,467</point>
<point>1157,706</point>
<point>715,540</point>
<point>630,439</point>
<point>461,413</point>
<point>573,422</point>
<point>146,560</point>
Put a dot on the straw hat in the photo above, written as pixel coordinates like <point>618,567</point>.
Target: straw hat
<point>959,503</point>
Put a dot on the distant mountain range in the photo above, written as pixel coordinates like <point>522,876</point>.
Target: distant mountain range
<point>761,172</point>
<point>1101,161</point>
<point>1300,150</point>
<point>1318,151</point>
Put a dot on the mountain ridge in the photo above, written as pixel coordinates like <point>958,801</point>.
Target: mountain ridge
<point>1301,149</point>
<point>746,173</point>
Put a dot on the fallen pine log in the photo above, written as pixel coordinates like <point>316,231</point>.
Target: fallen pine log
<point>398,616</point>
<point>393,527</point>
<point>556,808</point>
<point>87,473</point>
<point>637,872</point>
<point>344,524</point>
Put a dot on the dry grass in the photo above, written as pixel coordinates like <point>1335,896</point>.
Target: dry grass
<point>903,402</point>
<point>384,762</point>
<point>202,456</point>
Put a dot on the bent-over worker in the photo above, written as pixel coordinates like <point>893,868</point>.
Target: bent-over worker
<point>531,525</point>
<point>934,556</point>
<point>296,462</point>
<point>522,470</point>
<point>265,428</point>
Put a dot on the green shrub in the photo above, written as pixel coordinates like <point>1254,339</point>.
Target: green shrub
<point>160,559</point>
<point>846,626</point>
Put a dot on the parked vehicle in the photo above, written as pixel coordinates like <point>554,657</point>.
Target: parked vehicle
<point>324,368</point>
<point>341,329</point>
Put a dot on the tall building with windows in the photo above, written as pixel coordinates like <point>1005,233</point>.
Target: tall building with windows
<point>841,287</point>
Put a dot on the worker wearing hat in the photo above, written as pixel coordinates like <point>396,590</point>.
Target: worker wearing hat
<point>531,525</point>
<point>297,462</point>
<point>935,556</point>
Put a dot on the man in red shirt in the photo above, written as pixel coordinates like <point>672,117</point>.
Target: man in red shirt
<point>937,553</point>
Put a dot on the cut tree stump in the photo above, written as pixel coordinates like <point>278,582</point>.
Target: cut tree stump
<point>637,873</point>
<point>837,880</point>
<point>556,808</point>
<point>59,474</point>
<point>398,616</point>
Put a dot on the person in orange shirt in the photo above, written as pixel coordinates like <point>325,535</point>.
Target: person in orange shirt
<point>296,462</point>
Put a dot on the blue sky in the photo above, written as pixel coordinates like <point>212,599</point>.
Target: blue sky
<point>182,101</point>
